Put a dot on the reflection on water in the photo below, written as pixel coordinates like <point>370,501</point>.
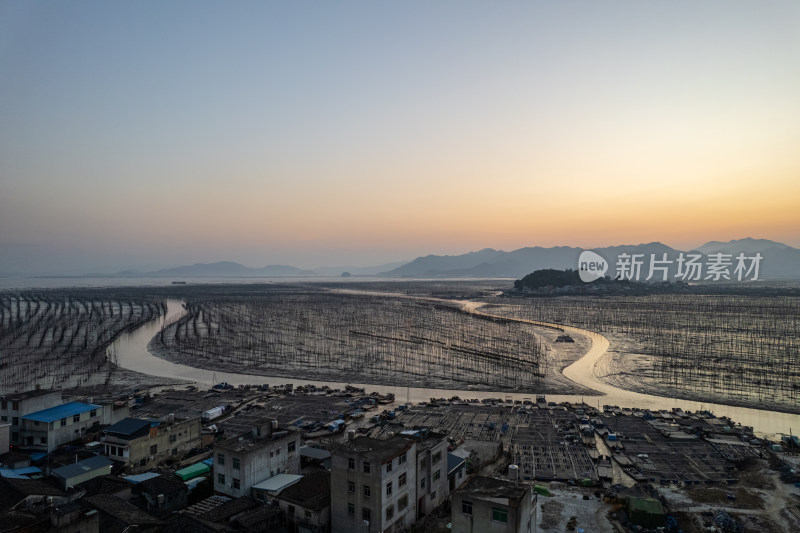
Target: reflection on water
<point>131,353</point>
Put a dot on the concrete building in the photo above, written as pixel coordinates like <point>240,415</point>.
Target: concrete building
<point>373,485</point>
<point>14,406</point>
<point>48,429</point>
<point>433,487</point>
<point>145,443</point>
<point>71,475</point>
<point>307,504</point>
<point>243,461</point>
<point>5,437</point>
<point>488,505</point>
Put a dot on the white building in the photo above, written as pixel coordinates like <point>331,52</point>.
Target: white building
<point>48,429</point>
<point>243,461</point>
<point>14,406</point>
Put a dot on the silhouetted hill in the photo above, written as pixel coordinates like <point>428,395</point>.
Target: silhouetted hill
<point>779,261</point>
<point>225,269</point>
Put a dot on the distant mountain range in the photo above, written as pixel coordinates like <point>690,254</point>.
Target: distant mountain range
<point>230,269</point>
<point>779,261</point>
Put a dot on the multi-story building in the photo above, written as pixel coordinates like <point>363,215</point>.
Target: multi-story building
<point>243,461</point>
<point>14,406</point>
<point>144,443</point>
<point>432,485</point>
<point>488,505</point>
<point>373,485</point>
<point>48,429</point>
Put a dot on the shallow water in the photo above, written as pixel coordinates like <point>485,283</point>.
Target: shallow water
<point>132,353</point>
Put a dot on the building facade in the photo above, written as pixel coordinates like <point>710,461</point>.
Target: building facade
<point>488,505</point>
<point>243,461</point>
<point>433,488</point>
<point>14,406</point>
<point>141,444</point>
<point>373,485</point>
<point>48,429</point>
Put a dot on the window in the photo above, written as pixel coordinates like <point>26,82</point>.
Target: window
<point>436,458</point>
<point>5,404</point>
<point>63,421</point>
<point>308,515</point>
<point>292,446</point>
<point>422,463</point>
<point>402,503</point>
<point>15,405</point>
<point>290,510</point>
<point>4,418</point>
<point>437,475</point>
<point>221,479</point>
<point>235,483</point>
<point>351,509</point>
<point>351,463</point>
<point>401,480</point>
<point>260,496</point>
<point>433,495</point>
<point>388,467</point>
<point>93,412</point>
<point>499,515</point>
<point>153,449</point>
<point>236,463</point>
<point>220,458</point>
<point>173,438</point>
<point>389,512</point>
<point>422,483</point>
<point>278,451</point>
<point>42,440</point>
<point>366,491</point>
<point>366,467</point>
<point>466,507</point>
<point>15,421</point>
<point>365,514</point>
<point>174,451</point>
<point>76,418</point>
<point>401,459</point>
<point>35,422</point>
<point>351,487</point>
<point>389,489</point>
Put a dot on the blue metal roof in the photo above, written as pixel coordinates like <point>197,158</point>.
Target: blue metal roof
<point>138,478</point>
<point>10,474</point>
<point>60,411</point>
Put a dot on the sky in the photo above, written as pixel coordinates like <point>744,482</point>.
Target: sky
<point>152,134</point>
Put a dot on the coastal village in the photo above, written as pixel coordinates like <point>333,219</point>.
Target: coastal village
<point>314,459</point>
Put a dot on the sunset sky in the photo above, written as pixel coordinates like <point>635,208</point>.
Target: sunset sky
<point>151,134</point>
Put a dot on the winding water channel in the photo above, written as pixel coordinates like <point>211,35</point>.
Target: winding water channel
<point>131,353</point>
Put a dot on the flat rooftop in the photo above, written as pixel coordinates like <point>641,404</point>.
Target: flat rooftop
<point>380,450</point>
<point>480,487</point>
